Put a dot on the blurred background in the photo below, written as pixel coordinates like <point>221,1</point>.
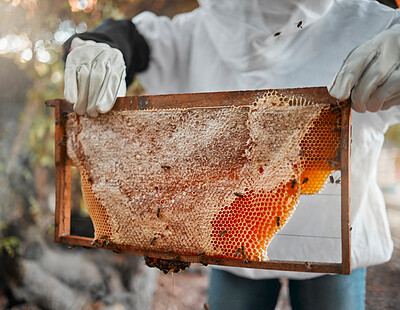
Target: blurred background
<point>35,273</point>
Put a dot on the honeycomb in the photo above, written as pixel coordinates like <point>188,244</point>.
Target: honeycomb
<point>218,182</point>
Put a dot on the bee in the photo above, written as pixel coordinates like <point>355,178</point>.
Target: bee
<point>293,183</point>
<point>351,228</point>
<point>103,237</point>
<point>278,221</point>
<point>244,256</point>
<point>90,179</point>
<point>277,34</point>
<point>206,307</point>
<point>152,241</point>
<point>336,129</point>
<point>166,167</point>
<point>308,266</point>
<point>333,163</point>
<point>218,260</point>
<point>158,212</point>
<point>331,179</point>
<point>94,242</point>
<point>305,180</point>
<point>237,252</point>
<point>71,246</point>
<point>238,194</point>
<point>116,251</point>
<point>300,24</point>
<point>301,153</point>
<point>203,262</point>
<point>168,252</point>
<point>202,253</point>
<point>222,233</point>
<point>335,108</point>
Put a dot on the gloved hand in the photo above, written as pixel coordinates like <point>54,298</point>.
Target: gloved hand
<point>371,73</point>
<point>94,77</point>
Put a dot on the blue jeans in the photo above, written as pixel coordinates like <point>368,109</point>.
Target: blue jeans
<point>339,292</point>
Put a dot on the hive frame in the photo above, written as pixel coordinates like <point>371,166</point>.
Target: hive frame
<point>62,232</point>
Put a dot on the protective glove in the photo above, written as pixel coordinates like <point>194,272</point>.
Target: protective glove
<point>94,77</point>
<point>371,74</point>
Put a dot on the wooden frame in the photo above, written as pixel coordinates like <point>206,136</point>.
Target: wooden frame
<point>237,98</point>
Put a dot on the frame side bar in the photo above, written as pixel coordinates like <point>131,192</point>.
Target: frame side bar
<point>63,174</point>
<point>345,188</point>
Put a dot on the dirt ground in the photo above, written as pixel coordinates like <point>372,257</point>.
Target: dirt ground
<point>188,290</point>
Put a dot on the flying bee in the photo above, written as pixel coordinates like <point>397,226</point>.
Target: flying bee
<point>331,179</point>
<point>152,241</point>
<point>277,34</point>
<point>238,194</point>
<point>278,221</point>
<point>293,183</point>
<point>305,180</point>
<point>300,24</point>
<point>222,233</point>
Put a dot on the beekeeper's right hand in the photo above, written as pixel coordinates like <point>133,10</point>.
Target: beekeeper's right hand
<point>94,77</point>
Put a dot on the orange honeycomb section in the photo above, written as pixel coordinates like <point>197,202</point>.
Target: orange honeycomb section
<point>97,212</point>
<point>243,229</point>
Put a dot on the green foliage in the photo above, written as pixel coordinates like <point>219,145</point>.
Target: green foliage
<point>10,245</point>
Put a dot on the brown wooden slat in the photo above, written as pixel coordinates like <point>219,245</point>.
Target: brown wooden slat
<point>345,188</point>
<point>63,173</point>
<point>271,265</point>
<point>216,99</point>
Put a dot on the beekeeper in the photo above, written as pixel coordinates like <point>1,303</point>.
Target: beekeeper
<point>352,46</point>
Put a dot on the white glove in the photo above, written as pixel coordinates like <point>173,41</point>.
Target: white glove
<point>94,77</point>
<point>371,73</point>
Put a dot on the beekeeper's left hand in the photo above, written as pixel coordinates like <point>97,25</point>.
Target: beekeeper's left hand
<point>371,74</point>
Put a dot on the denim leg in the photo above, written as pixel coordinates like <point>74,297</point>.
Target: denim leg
<point>330,292</point>
<point>228,291</point>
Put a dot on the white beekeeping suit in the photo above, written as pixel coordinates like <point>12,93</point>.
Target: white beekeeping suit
<point>242,45</point>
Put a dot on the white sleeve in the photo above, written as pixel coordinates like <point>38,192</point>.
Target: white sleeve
<point>170,50</point>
